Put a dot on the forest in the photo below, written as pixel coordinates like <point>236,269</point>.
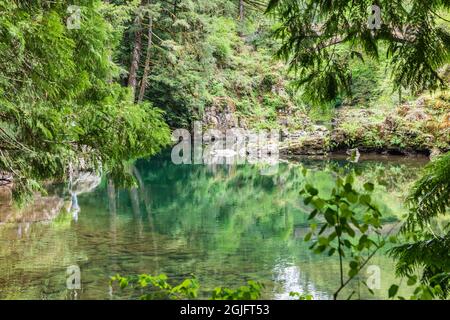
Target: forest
<point>94,92</point>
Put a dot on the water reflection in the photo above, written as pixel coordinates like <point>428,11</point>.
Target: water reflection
<point>226,225</point>
<point>292,279</point>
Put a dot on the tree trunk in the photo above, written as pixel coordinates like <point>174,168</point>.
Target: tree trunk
<point>136,55</point>
<point>241,10</point>
<point>147,60</point>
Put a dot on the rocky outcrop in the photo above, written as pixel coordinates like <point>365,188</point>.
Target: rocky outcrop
<point>418,127</point>
<point>294,124</point>
<point>422,126</point>
<point>84,182</point>
<point>312,142</point>
<point>5,179</point>
<point>221,115</point>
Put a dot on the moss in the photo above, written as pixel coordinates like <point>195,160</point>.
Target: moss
<point>414,127</point>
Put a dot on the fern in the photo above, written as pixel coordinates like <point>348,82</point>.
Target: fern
<point>430,196</point>
<point>430,255</point>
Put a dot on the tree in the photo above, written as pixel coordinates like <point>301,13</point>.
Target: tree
<point>137,47</point>
<point>59,103</point>
<point>241,10</point>
<point>320,38</point>
<point>147,60</point>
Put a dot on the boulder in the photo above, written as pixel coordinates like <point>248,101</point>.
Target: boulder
<point>307,142</point>
<point>221,114</point>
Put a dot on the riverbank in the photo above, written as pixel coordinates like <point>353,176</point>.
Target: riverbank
<point>418,127</point>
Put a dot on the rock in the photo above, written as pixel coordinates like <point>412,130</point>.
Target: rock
<point>84,182</point>
<point>389,124</point>
<point>417,115</point>
<point>221,114</point>
<point>307,143</point>
<point>297,134</point>
<point>434,153</point>
<point>5,179</point>
<point>421,102</point>
<point>338,136</point>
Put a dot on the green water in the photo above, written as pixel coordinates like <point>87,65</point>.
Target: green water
<point>224,224</point>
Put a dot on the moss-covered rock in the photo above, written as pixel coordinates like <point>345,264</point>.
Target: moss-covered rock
<point>419,127</point>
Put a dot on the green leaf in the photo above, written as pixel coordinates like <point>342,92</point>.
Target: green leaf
<point>348,187</point>
<point>312,191</point>
<point>352,273</point>
<point>323,241</point>
<point>369,186</point>
<point>312,214</point>
<point>393,290</point>
<point>330,216</point>
<point>324,227</point>
<point>308,237</point>
<point>349,179</point>
<point>352,197</point>
<point>307,200</point>
<point>347,243</point>
<point>412,280</point>
<point>318,203</point>
<point>350,231</point>
<point>332,236</point>
<point>364,199</point>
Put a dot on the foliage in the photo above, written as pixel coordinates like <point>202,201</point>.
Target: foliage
<point>63,103</point>
<point>300,296</point>
<point>426,249</point>
<point>201,54</point>
<point>59,103</point>
<point>430,196</point>
<point>157,287</point>
<point>351,227</point>
<point>250,292</point>
<point>320,39</point>
<point>416,126</point>
<point>421,291</point>
<point>430,255</point>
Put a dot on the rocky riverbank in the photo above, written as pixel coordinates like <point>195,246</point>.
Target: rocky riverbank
<point>419,127</point>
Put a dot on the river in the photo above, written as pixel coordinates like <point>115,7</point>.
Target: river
<point>223,224</point>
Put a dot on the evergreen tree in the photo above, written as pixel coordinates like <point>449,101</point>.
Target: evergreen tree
<point>59,101</point>
<point>320,38</point>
